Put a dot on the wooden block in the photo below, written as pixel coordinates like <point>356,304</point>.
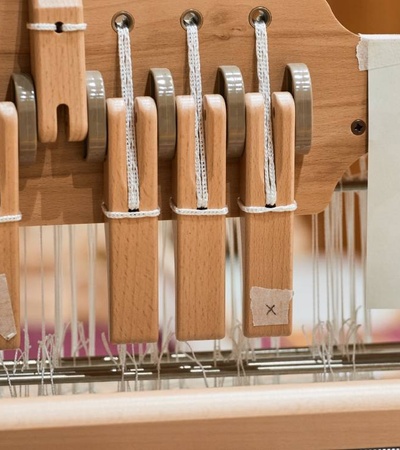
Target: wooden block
<point>200,240</point>
<point>132,243</point>
<point>59,68</point>
<point>9,232</point>
<point>268,238</point>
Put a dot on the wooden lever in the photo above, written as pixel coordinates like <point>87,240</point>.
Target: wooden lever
<point>268,238</point>
<point>132,243</point>
<point>58,68</point>
<point>9,232</point>
<point>200,240</point>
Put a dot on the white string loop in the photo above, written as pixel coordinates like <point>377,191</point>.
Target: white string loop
<point>197,94</point>
<point>130,215</point>
<point>265,90</point>
<point>198,212</point>
<point>265,210</point>
<point>125,65</point>
<point>11,218</point>
<point>65,27</point>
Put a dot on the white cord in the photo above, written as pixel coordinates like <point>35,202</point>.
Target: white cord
<point>264,210</point>
<point>65,27</point>
<point>11,218</point>
<point>125,65</point>
<point>197,94</point>
<point>130,215</point>
<point>198,212</point>
<point>265,90</point>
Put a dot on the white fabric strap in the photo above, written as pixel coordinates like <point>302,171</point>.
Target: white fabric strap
<point>66,27</point>
<point>197,94</point>
<point>265,90</point>
<point>11,218</point>
<point>265,210</point>
<point>130,215</point>
<point>198,212</point>
<point>125,65</point>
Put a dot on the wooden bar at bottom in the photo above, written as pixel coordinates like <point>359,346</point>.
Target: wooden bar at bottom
<point>268,238</point>
<point>132,243</point>
<point>9,232</point>
<point>200,240</point>
<point>343,415</point>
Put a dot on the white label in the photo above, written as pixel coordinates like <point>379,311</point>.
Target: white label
<point>7,322</point>
<point>270,306</point>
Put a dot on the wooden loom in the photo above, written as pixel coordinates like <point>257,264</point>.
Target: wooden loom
<point>60,187</point>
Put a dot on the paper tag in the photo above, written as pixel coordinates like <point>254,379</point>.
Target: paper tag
<point>270,306</point>
<point>383,224</point>
<point>7,322</point>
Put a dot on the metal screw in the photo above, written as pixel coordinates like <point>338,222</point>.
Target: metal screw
<point>358,127</point>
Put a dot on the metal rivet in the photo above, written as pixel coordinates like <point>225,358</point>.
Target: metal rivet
<point>191,16</point>
<point>122,19</point>
<point>358,127</point>
<point>260,14</point>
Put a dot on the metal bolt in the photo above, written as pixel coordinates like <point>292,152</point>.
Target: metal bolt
<point>358,127</point>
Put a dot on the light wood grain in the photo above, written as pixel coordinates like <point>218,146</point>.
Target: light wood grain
<point>59,68</point>
<point>200,240</point>
<point>132,243</point>
<point>267,238</point>
<point>346,415</point>
<point>9,232</point>
<point>62,188</point>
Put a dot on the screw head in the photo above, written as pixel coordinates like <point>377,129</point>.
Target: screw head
<point>358,127</point>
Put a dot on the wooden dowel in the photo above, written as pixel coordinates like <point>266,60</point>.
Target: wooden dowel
<point>268,238</point>
<point>132,243</point>
<point>200,240</point>
<point>9,232</point>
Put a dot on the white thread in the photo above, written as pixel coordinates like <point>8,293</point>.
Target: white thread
<point>130,215</point>
<point>11,218</point>
<point>92,240</point>
<point>65,27</point>
<point>265,90</point>
<point>265,210</point>
<point>125,65</point>
<point>198,212</point>
<point>197,94</point>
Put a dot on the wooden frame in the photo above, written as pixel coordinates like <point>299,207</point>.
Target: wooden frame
<point>347,415</point>
<point>62,188</point>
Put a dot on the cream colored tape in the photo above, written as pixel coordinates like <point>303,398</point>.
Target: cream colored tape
<point>378,50</point>
<point>270,306</point>
<point>7,322</point>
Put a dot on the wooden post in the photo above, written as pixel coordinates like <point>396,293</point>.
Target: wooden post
<point>200,240</point>
<point>132,243</point>
<point>268,238</point>
<point>9,232</point>
<point>59,68</point>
